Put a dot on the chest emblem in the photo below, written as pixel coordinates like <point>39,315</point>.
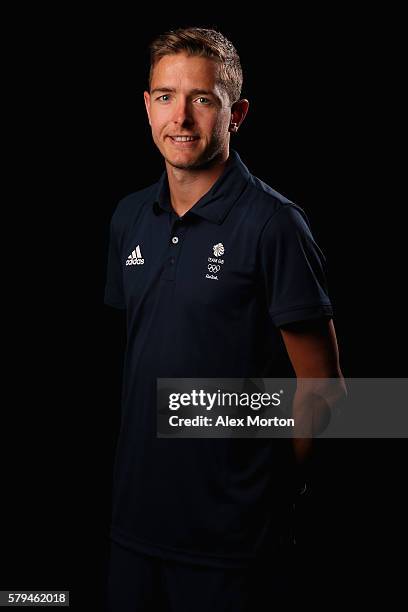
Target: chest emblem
<point>218,249</point>
<point>135,258</point>
<point>215,263</point>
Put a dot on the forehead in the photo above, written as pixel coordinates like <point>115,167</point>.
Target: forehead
<point>181,70</point>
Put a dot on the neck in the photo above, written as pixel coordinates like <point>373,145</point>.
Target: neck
<point>187,186</point>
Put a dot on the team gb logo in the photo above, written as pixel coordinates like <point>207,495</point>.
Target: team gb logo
<point>218,249</point>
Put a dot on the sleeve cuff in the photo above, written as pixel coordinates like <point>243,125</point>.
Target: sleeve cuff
<point>302,313</point>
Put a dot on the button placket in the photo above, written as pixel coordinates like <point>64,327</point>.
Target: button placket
<point>176,227</point>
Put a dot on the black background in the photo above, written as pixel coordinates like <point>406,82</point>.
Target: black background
<point>323,128</point>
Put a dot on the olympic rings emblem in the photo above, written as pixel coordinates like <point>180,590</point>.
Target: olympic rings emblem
<point>213,268</point>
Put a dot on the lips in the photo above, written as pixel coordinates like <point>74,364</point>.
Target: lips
<point>190,138</point>
<point>183,144</point>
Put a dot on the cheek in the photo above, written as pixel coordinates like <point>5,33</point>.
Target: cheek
<point>158,127</point>
<point>158,120</point>
<point>220,126</point>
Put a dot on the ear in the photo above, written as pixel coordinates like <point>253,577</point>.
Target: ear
<point>238,112</point>
<point>146,97</point>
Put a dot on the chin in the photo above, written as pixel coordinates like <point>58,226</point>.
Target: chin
<point>184,161</point>
<point>183,166</point>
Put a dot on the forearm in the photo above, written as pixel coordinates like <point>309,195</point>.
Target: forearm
<point>314,402</point>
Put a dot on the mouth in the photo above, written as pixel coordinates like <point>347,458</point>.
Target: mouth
<point>183,141</point>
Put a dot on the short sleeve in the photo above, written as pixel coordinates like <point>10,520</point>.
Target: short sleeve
<point>293,269</point>
<point>114,294</point>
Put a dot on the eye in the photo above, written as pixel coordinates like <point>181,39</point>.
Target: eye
<point>201,98</point>
<point>163,96</point>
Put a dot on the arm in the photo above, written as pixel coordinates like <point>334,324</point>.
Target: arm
<point>313,351</point>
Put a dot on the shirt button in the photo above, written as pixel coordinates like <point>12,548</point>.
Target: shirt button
<point>174,240</point>
<point>171,260</point>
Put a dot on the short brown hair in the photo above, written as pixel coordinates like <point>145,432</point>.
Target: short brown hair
<point>205,43</point>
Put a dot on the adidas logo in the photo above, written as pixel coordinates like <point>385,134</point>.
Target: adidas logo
<point>135,258</point>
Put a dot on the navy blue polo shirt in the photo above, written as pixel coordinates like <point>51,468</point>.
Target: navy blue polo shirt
<point>205,295</point>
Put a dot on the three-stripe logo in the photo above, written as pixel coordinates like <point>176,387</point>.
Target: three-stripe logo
<point>135,258</point>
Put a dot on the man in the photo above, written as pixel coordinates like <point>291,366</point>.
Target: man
<point>190,516</point>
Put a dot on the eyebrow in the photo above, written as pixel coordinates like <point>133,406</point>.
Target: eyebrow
<point>193,92</point>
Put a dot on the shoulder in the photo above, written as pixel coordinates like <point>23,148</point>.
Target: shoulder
<point>272,210</point>
<point>133,202</point>
<point>131,206</point>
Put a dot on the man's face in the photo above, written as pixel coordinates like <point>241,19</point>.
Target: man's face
<point>185,99</point>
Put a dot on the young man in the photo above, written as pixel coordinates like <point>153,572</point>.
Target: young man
<point>190,516</point>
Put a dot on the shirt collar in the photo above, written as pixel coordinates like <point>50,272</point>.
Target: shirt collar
<point>219,199</point>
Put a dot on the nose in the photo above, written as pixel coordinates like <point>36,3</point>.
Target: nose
<point>182,112</point>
